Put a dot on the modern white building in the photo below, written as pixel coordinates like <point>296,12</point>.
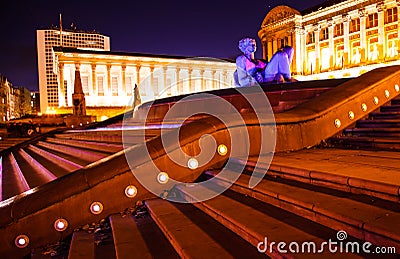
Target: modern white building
<point>108,78</point>
<point>49,89</point>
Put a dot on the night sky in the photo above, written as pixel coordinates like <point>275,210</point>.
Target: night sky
<point>175,27</point>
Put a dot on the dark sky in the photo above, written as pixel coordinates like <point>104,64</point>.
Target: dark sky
<point>175,27</point>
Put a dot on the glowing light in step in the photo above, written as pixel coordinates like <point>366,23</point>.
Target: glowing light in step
<point>130,191</point>
<point>22,241</point>
<point>96,207</point>
<point>193,163</point>
<point>351,115</point>
<point>162,177</point>
<point>222,150</point>
<point>364,107</point>
<point>387,93</point>
<point>60,224</point>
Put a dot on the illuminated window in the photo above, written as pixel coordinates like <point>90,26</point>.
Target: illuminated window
<point>311,63</point>
<point>391,15</point>
<point>373,52</point>
<point>339,56</point>
<point>339,30</point>
<point>128,83</point>
<point>85,84</point>
<point>324,35</point>
<point>325,57</point>
<point>283,42</point>
<point>310,37</point>
<point>355,25</point>
<point>114,85</point>
<point>372,20</point>
<point>100,86</point>
<point>392,49</point>
<point>65,91</point>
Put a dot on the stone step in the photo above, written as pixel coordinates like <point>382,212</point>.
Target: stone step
<point>195,235</point>
<point>91,145</point>
<point>378,132</point>
<point>363,220</point>
<point>85,155</point>
<point>384,115</point>
<point>395,101</point>
<point>56,164</point>
<point>13,181</point>
<point>353,171</point>
<point>381,123</point>
<point>390,108</point>
<point>373,141</point>
<point>256,221</point>
<point>139,237</point>
<point>34,173</point>
<point>82,246</point>
<point>106,138</point>
<point>92,241</point>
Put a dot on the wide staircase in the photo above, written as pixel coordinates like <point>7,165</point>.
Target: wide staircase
<point>380,130</point>
<point>304,197</point>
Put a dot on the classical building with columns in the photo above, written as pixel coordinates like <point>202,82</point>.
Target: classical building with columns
<point>335,39</point>
<point>108,78</point>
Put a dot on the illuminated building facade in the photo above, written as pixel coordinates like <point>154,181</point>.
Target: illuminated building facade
<point>14,101</point>
<point>335,39</point>
<point>46,40</point>
<point>108,78</point>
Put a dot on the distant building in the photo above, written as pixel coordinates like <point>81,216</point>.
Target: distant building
<point>108,78</point>
<point>14,101</point>
<point>35,102</point>
<point>5,87</point>
<point>49,89</point>
<point>336,38</point>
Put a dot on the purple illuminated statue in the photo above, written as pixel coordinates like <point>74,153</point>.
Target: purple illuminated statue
<point>251,71</point>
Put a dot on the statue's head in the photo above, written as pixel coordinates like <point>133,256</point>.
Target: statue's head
<point>246,43</point>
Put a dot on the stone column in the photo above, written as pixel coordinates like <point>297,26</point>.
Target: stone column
<point>94,88</point>
<point>264,49</point>
<point>274,46</point>
<point>213,81</point>
<point>123,79</point>
<point>303,52</point>
<point>108,88</point>
<point>167,88</point>
<point>203,80</point>
<point>346,42</point>
<point>381,32</point>
<point>317,51</point>
<point>296,62</point>
<point>331,45</point>
<point>363,36</point>
<point>191,86</point>
<point>62,86</point>
<point>224,78</point>
<point>152,87</point>
<point>137,74</point>
<point>398,30</point>
<point>269,50</point>
<point>178,84</point>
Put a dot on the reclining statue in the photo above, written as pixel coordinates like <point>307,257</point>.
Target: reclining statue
<point>251,71</point>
